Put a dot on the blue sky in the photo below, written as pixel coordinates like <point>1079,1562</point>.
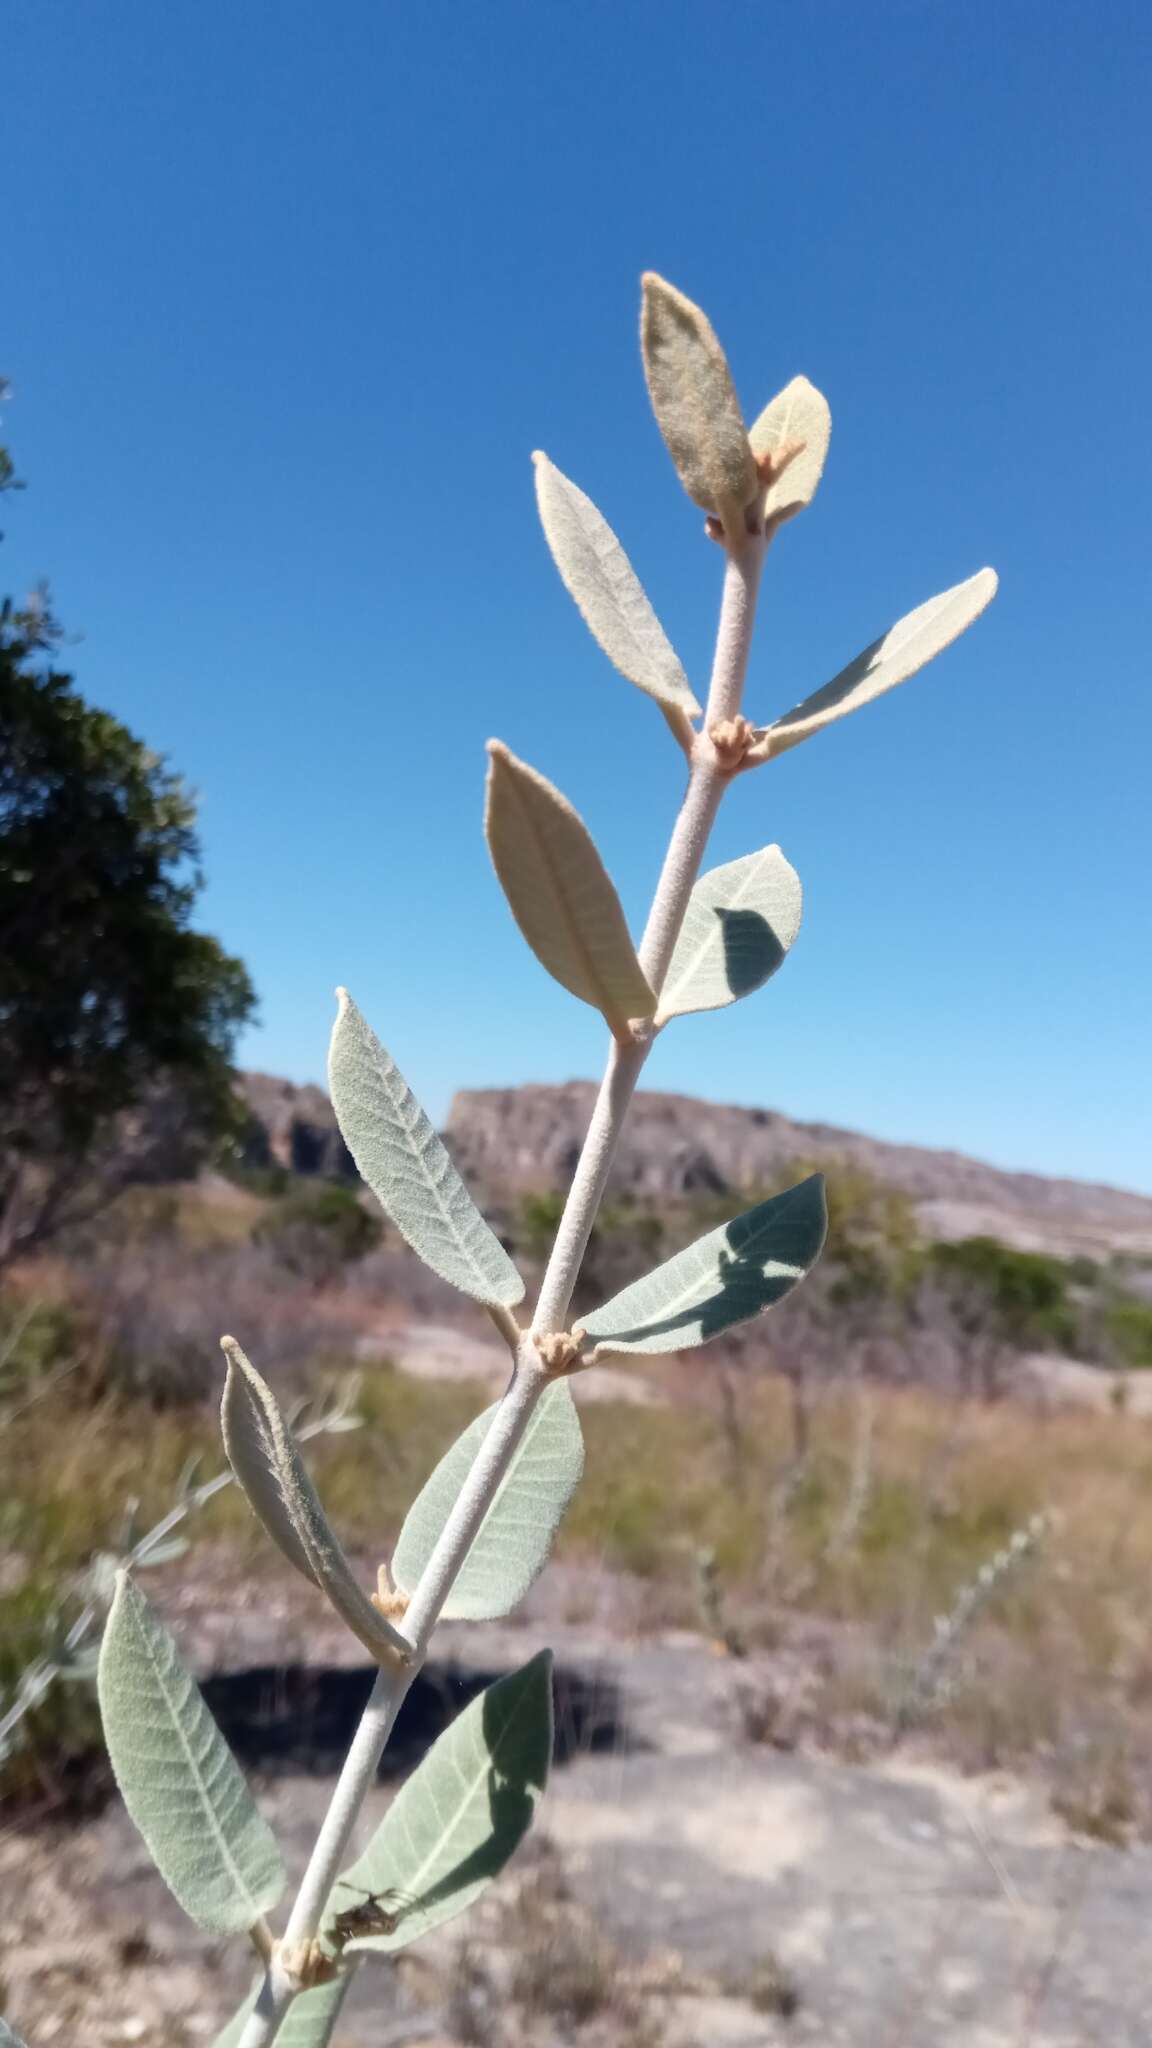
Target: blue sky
<point>290,294</point>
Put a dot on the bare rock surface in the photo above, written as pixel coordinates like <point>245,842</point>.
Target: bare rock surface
<point>899,1903</point>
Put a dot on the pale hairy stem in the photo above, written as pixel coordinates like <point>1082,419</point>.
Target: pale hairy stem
<point>392,1683</point>
<point>706,784</point>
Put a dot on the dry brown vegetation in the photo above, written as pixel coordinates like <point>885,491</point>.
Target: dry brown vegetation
<point>832,1548</point>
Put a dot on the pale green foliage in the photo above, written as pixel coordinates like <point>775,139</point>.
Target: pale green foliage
<point>730,1275</point>
<point>180,1781</point>
<point>407,1168</point>
<point>603,584</point>
<point>695,403</point>
<point>459,1817</point>
<point>455,1822</point>
<point>740,922</point>
<point>7,2038</point>
<point>518,1530</point>
<point>898,653</point>
<point>266,1460</point>
<point>798,417</point>
<point>309,2023</point>
<point>560,893</point>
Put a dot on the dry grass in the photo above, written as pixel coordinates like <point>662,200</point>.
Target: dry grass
<point>1056,1671</point>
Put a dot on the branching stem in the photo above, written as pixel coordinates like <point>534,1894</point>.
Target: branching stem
<point>706,784</point>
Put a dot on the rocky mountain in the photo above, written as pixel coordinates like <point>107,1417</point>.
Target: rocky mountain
<point>512,1141</point>
<point>294,1127</point>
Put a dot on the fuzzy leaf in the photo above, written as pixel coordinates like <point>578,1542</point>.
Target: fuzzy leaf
<point>266,1460</point>
<point>405,1165</point>
<point>456,1821</point>
<point>730,1275</point>
<point>308,2023</point>
<point>897,655</point>
<point>607,591</point>
<point>180,1782</point>
<point>516,1534</point>
<point>740,922</point>
<point>559,891</point>
<point>798,413</point>
<point>695,403</point>
<point>7,2038</point>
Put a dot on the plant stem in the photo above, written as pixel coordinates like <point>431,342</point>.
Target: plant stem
<point>393,1682</point>
<point>706,784</point>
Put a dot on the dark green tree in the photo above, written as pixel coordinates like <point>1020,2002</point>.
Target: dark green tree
<point>117,1020</point>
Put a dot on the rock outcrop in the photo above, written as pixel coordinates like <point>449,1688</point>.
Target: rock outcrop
<point>509,1141</point>
<point>513,1141</point>
<point>294,1127</point>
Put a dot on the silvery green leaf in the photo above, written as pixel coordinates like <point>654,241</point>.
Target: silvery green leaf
<point>798,414</point>
<point>456,1821</point>
<point>407,1168</point>
<point>266,1460</point>
<point>740,922</point>
<point>559,891</point>
<point>607,591</point>
<point>517,1532</point>
<point>725,1278</point>
<point>7,2038</point>
<point>695,403</point>
<point>898,654</point>
<point>308,2023</point>
<point>180,1782</point>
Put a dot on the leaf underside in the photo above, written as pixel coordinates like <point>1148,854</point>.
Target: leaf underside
<point>559,891</point>
<point>607,591</point>
<point>266,1459</point>
<point>898,653</point>
<point>7,2038</point>
<point>725,1278</point>
<point>456,1821</point>
<point>516,1534</point>
<point>308,2023</point>
<point>407,1168</point>
<point>799,413</point>
<point>740,922</point>
<point>695,403</point>
<point>180,1782</point>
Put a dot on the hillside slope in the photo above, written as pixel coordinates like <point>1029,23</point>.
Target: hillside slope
<point>511,1140</point>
